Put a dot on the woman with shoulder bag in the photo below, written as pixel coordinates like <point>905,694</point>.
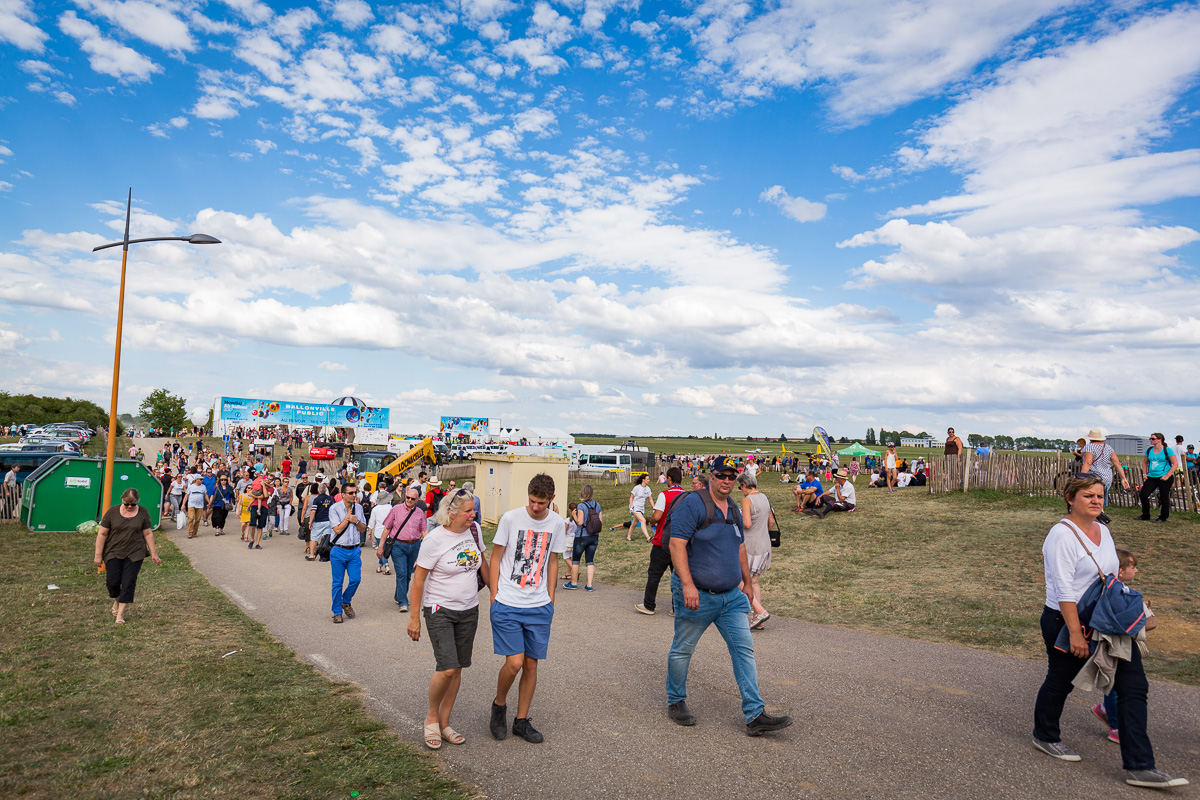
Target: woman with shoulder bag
<point>445,590</point>
<point>757,515</point>
<point>1075,552</point>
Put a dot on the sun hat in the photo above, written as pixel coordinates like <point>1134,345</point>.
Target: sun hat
<point>1094,435</point>
<point>434,482</point>
<point>841,474</point>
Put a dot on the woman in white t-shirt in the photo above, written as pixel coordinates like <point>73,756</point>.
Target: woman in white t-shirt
<point>637,506</point>
<point>1075,552</point>
<point>450,559</point>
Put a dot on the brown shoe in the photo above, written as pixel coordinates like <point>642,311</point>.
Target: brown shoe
<point>349,609</point>
<point>337,618</point>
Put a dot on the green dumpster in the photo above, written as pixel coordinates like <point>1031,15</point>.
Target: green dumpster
<point>62,494</point>
<point>129,473</point>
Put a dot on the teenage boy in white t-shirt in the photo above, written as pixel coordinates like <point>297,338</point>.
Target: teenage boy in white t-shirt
<point>524,575</point>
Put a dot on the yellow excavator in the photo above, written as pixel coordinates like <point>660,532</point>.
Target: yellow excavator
<point>374,467</point>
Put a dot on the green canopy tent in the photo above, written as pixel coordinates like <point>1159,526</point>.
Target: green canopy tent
<point>857,449</point>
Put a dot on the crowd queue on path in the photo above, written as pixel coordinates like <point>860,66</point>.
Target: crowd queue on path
<point>716,544</point>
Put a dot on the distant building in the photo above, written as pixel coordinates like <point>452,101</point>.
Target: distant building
<point>917,441</point>
<point>1128,444</point>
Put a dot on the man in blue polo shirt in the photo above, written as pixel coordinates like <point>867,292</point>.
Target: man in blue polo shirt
<point>710,565</point>
<point>807,491</point>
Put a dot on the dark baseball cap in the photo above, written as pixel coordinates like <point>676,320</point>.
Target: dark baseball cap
<point>724,463</point>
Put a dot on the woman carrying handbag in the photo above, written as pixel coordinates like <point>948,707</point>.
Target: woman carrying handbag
<point>1076,550</point>
<point>757,516</point>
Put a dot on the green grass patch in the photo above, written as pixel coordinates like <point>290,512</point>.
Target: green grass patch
<point>958,568</point>
<point>151,709</point>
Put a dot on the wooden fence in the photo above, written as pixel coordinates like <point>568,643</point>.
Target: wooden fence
<point>446,472</point>
<point>615,477</point>
<point>1045,476</point>
<point>10,503</point>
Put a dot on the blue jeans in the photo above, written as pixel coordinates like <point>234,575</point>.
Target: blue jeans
<point>344,560</point>
<point>404,561</point>
<point>730,612</point>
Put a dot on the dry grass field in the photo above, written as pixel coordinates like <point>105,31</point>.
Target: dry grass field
<point>959,568</point>
<point>90,709</point>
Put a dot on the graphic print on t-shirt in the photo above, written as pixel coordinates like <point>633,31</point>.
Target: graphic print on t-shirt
<point>529,557</point>
<point>467,558</point>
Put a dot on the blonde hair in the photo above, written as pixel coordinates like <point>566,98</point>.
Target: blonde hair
<point>450,503</point>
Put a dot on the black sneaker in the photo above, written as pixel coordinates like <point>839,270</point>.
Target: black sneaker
<point>525,729</point>
<point>499,723</point>
<point>681,713</point>
<point>765,723</point>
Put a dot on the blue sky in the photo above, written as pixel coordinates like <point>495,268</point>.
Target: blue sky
<point>613,216</point>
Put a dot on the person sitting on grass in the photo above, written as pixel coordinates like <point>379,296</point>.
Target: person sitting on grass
<point>840,497</point>
<point>807,491</point>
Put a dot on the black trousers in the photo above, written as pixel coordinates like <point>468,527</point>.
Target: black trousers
<point>1163,487</point>
<point>1132,692</point>
<point>121,576</point>
<point>219,515</point>
<point>660,561</point>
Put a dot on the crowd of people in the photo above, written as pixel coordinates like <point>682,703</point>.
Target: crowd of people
<point>716,548</point>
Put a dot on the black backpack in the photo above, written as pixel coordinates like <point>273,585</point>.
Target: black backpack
<point>710,512</point>
<point>591,520</point>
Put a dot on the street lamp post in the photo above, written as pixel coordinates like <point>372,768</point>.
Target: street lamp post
<point>195,238</point>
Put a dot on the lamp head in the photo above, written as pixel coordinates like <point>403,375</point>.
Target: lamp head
<point>202,238</point>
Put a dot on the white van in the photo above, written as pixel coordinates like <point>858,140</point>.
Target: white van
<point>604,462</point>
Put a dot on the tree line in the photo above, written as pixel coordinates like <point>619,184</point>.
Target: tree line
<point>29,409</point>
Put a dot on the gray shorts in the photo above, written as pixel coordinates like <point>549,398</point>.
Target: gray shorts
<point>452,634</point>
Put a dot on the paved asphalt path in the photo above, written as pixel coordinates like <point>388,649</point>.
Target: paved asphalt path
<point>876,716</point>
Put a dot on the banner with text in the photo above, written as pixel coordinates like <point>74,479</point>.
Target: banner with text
<point>248,411</point>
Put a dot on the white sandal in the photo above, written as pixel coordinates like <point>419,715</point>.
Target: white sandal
<point>433,736</point>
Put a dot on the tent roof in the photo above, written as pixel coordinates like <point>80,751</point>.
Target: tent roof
<point>857,449</point>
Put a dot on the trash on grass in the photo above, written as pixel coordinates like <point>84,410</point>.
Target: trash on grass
<point>231,652</point>
<point>52,586</point>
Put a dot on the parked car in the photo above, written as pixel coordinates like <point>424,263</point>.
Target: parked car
<point>36,439</point>
<point>65,431</point>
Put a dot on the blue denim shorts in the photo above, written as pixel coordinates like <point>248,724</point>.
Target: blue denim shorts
<point>521,630</point>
